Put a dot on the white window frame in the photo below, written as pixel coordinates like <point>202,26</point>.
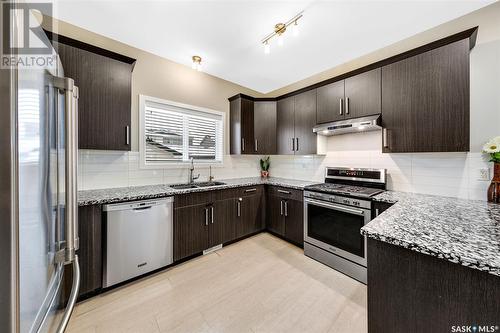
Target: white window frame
<point>143,99</point>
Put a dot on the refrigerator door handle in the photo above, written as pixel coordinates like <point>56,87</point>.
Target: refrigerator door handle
<point>67,86</point>
<point>75,287</point>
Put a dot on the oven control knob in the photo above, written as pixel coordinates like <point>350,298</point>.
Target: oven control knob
<point>346,201</point>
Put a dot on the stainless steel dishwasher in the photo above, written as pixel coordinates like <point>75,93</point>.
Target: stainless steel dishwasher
<point>139,238</point>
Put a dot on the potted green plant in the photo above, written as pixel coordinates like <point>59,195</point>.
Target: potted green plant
<point>492,148</point>
<point>264,167</point>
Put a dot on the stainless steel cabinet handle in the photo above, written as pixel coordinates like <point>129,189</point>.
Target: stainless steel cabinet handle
<point>334,206</point>
<point>293,144</point>
<point>242,144</point>
<point>376,212</point>
<point>297,144</point>
<point>286,208</point>
<point>256,145</point>
<point>206,216</point>
<point>281,207</point>
<point>347,105</point>
<point>341,104</point>
<point>384,138</point>
<point>251,190</point>
<point>212,214</point>
<point>283,191</point>
<point>238,206</point>
<point>127,135</point>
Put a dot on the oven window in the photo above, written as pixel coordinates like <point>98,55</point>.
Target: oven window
<point>336,228</point>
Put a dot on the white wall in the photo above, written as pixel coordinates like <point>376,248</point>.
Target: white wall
<point>450,174</point>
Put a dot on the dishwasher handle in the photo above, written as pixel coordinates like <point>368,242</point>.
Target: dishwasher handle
<point>143,208</point>
<point>137,205</point>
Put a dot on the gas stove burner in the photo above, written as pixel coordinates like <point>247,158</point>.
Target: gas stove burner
<point>341,189</point>
<point>355,182</point>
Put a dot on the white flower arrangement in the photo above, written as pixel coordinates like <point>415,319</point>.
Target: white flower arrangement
<point>492,148</point>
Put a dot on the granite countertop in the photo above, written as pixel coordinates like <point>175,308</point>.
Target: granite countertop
<point>462,231</point>
<point>119,194</point>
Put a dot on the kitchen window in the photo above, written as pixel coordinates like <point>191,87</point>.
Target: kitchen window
<point>172,133</point>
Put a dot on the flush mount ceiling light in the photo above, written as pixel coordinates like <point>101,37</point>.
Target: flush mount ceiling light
<point>279,30</point>
<point>196,63</point>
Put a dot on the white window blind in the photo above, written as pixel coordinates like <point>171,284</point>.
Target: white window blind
<point>175,133</point>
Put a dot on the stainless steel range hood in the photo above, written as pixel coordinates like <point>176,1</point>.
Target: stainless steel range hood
<point>355,125</point>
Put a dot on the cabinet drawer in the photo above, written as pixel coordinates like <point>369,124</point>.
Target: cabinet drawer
<point>250,190</point>
<point>229,193</point>
<point>238,192</point>
<point>191,199</point>
<point>284,192</point>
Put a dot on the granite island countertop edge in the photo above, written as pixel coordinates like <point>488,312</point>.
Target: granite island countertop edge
<point>458,241</point>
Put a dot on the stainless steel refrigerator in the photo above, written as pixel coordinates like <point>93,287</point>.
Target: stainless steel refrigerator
<point>38,197</point>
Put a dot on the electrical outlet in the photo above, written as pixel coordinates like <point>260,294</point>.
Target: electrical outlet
<point>484,174</point>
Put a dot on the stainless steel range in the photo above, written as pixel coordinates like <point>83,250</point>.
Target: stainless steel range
<point>334,213</point>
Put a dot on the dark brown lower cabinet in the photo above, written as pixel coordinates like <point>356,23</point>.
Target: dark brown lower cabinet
<point>249,213</point>
<point>221,217</point>
<point>413,292</point>
<point>294,221</point>
<point>285,214</point>
<point>274,219</point>
<point>201,220</point>
<point>190,230</point>
<point>222,225</point>
<point>89,253</point>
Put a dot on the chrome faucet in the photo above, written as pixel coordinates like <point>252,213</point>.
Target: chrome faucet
<point>210,177</point>
<point>191,170</point>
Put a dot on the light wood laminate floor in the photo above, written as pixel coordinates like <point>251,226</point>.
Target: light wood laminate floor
<point>260,284</point>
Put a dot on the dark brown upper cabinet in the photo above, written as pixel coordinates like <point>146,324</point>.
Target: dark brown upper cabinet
<point>305,120</point>
<point>264,118</point>
<point>285,128</point>
<point>242,126</point>
<point>425,101</point>
<point>422,94</point>
<point>330,102</point>
<point>104,82</point>
<point>296,118</point>
<point>253,126</point>
<point>363,94</point>
<point>354,97</point>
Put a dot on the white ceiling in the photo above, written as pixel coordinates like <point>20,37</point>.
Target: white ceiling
<point>227,34</point>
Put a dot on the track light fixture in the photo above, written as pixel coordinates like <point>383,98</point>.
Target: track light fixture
<point>279,30</point>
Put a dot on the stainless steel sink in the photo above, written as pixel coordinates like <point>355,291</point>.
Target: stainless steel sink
<point>208,184</point>
<point>182,186</point>
<point>195,185</point>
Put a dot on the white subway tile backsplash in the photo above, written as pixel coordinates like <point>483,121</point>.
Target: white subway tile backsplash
<point>449,174</point>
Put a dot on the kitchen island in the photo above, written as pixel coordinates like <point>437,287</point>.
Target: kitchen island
<point>433,265</point>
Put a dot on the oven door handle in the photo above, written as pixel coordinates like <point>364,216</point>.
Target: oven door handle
<point>336,207</point>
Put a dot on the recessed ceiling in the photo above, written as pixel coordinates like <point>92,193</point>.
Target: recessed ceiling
<point>227,34</point>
